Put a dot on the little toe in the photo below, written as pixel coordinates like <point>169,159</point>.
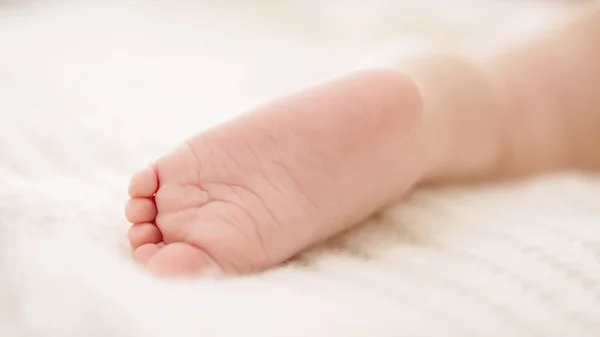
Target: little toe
<point>180,260</point>
<point>143,233</point>
<point>139,210</point>
<point>144,183</point>
<point>144,253</point>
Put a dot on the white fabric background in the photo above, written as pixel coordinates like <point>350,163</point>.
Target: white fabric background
<point>90,91</point>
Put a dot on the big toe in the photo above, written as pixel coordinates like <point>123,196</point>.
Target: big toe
<point>181,260</point>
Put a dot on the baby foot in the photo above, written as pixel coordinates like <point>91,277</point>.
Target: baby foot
<point>253,192</point>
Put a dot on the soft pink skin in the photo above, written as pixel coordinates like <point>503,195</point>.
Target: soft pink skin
<point>253,192</point>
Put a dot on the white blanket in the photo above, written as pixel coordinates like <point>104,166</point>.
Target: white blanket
<point>90,92</point>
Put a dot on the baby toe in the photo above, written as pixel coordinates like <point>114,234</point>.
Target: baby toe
<point>144,233</point>
<point>144,183</point>
<point>139,210</point>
